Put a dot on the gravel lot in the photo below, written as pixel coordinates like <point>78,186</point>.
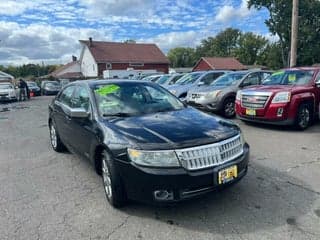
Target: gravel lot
<point>46,195</point>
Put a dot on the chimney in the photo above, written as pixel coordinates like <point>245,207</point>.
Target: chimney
<point>74,58</point>
<point>90,41</point>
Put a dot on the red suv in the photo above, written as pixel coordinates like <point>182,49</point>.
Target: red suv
<point>287,97</point>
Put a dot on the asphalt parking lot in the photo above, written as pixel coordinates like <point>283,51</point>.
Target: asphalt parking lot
<point>46,195</point>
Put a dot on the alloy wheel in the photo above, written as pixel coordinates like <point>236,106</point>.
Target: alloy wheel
<point>53,136</point>
<point>106,177</point>
<point>229,109</point>
<point>304,117</point>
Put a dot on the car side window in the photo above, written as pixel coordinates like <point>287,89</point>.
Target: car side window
<point>81,98</point>
<point>252,79</point>
<point>264,75</point>
<point>208,78</point>
<point>66,95</point>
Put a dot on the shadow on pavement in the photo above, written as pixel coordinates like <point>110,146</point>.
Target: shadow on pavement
<point>264,199</point>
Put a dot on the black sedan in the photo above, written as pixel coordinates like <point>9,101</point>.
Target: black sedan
<point>34,88</point>
<point>147,145</point>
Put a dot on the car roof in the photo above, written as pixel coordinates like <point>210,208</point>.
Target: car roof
<point>302,68</point>
<point>5,83</point>
<point>108,81</point>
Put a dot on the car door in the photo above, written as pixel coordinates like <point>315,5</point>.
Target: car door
<point>83,129</point>
<point>62,104</point>
<point>251,79</point>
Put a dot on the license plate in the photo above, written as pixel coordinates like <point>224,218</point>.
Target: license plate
<point>250,112</point>
<point>227,174</point>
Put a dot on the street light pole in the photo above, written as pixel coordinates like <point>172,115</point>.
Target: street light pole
<point>294,33</point>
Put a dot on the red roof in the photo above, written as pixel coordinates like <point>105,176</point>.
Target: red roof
<point>223,63</point>
<point>104,52</point>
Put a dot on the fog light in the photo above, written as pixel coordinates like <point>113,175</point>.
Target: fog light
<point>279,112</point>
<point>163,195</point>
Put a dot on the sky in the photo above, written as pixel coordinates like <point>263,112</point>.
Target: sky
<point>47,31</point>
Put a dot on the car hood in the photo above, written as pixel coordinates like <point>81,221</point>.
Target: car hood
<point>205,89</point>
<point>6,90</point>
<point>171,130</point>
<point>269,88</point>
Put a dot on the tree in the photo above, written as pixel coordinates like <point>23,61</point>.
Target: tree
<point>250,47</point>
<point>223,44</point>
<point>182,57</point>
<point>271,56</point>
<point>279,23</point>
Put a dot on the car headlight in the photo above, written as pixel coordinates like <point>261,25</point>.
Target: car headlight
<point>242,139</point>
<point>214,94</point>
<point>238,96</point>
<point>154,158</point>
<point>281,97</point>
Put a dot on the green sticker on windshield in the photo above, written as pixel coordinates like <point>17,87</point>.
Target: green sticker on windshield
<point>292,77</point>
<point>278,73</point>
<point>105,90</point>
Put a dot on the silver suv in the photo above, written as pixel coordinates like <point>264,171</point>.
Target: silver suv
<point>193,79</point>
<point>221,94</point>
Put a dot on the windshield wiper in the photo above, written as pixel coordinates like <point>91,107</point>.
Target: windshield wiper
<point>119,114</point>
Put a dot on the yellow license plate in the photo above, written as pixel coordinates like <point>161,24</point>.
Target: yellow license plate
<point>250,112</point>
<point>228,174</point>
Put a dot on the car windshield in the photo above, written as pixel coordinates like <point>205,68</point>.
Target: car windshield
<point>31,84</point>
<point>228,79</point>
<point>163,79</point>
<point>291,77</point>
<point>127,99</point>
<point>52,84</point>
<point>189,78</point>
<point>174,79</point>
<point>6,86</point>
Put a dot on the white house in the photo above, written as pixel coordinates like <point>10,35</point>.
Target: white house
<point>5,77</point>
<point>70,70</point>
<point>98,56</point>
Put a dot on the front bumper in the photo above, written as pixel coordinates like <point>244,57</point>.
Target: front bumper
<point>7,98</point>
<point>51,92</point>
<point>141,182</point>
<point>269,114</point>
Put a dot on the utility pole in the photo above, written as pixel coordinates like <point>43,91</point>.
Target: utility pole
<point>294,33</point>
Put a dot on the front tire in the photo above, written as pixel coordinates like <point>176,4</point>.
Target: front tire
<point>304,117</point>
<point>228,109</point>
<point>55,140</point>
<point>112,183</point>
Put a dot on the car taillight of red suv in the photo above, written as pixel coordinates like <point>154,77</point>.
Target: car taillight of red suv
<point>287,97</point>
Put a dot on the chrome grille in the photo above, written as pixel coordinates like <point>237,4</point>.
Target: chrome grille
<point>254,101</point>
<point>210,155</point>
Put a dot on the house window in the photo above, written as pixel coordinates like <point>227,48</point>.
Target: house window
<point>108,65</point>
<point>136,64</point>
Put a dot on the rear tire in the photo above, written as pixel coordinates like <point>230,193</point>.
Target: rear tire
<point>228,109</point>
<point>55,140</point>
<point>113,186</point>
<point>304,116</point>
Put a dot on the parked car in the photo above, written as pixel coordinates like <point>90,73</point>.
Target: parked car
<point>172,80</point>
<point>220,96</point>
<point>64,82</point>
<point>7,92</point>
<point>152,78</point>
<point>147,145</point>
<point>34,88</point>
<point>163,79</point>
<point>191,80</point>
<point>50,88</point>
<point>288,97</point>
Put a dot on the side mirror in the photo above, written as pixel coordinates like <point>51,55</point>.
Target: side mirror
<point>200,83</point>
<point>78,113</point>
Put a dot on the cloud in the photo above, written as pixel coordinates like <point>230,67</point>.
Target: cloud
<point>228,12</point>
<point>166,41</point>
<point>12,8</point>
<point>36,43</point>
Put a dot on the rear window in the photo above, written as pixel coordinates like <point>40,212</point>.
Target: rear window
<point>291,77</point>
